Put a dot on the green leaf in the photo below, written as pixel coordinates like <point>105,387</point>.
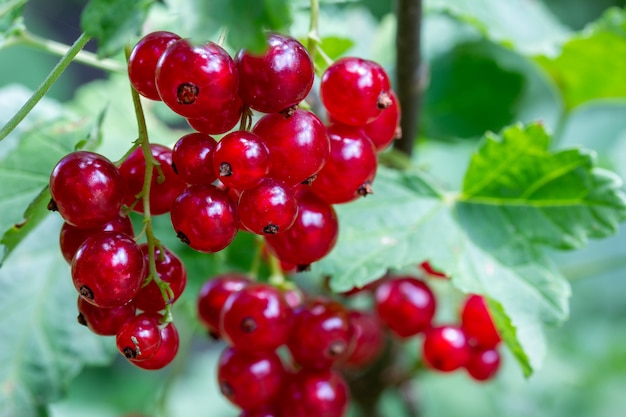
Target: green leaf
<point>490,238</point>
<point>114,22</point>
<point>43,346</point>
<point>589,65</point>
<point>333,46</point>
<point>11,22</point>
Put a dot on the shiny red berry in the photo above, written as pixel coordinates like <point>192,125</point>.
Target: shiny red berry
<point>445,348</point>
<point>315,393</point>
<point>104,321</point>
<point>386,127</point>
<point>478,324</point>
<point>219,121</point>
<point>241,160</point>
<point>269,208</point>
<point>368,340</point>
<point>213,295</point>
<point>166,352</point>
<point>192,156</point>
<point>483,364</point>
<point>139,338</point>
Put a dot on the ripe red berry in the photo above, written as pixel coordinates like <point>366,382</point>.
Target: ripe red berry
<point>191,158</point>
<point>71,237</point>
<point>355,91</point>
<point>386,127</point>
<point>241,160</point>
<point>445,348</point>
<point>256,318</point>
<point>139,338</point>
<point>269,208</point>
<point>104,321</point>
<point>250,380</point>
<point>319,393</point>
<point>205,218</point>
<point>277,79</point>
<point>108,269</point>
<point>478,324</point>
<point>298,145</point>
<point>219,121</point>
<point>143,59</point>
<point>213,295</point>
<point>86,189</point>
<point>311,237</point>
<point>170,270</point>
<point>166,352</point>
<point>165,185</point>
<point>483,364</point>
<point>368,339</point>
<point>195,81</point>
<point>350,167</point>
<point>406,305</point>
<point>321,334</point>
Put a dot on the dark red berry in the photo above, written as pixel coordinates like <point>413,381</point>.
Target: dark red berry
<point>139,338</point>
<point>478,324</point>
<point>108,269</point>
<point>256,319</point>
<point>165,185</point>
<point>445,348</point>
<point>483,364</point>
<point>250,380</point>
<point>350,168</point>
<point>386,127</point>
<point>368,339</point>
<point>213,295</point>
<point>315,393</point>
<point>277,79</point>
<point>86,189</point>
<point>298,145</point>
<point>195,81</point>
<point>143,60</point>
<point>219,121</point>
<point>170,270</point>
<point>192,156</point>
<point>406,305</point>
<point>241,160</point>
<point>205,218</point>
<point>104,321</point>
<point>166,352</point>
<point>269,208</point>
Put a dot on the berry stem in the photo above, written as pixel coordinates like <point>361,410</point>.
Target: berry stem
<point>277,277</point>
<point>152,241</point>
<point>258,256</point>
<point>313,38</point>
<point>45,85</point>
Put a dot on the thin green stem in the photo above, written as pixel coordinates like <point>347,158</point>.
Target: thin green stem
<point>277,277</point>
<point>45,86</point>
<point>258,255</point>
<point>313,38</point>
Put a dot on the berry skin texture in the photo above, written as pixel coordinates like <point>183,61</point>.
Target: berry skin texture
<point>219,121</point>
<point>386,127</point>
<point>104,321</point>
<point>445,348</point>
<point>162,194</point>
<point>355,91</point>
<point>213,295</point>
<point>166,352</point>
<point>368,339</point>
<point>477,323</point>
<point>269,208</point>
<point>315,393</point>
<point>139,338</point>
<point>350,168</point>
<point>279,78</point>
<point>241,160</point>
<point>191,158</point>
<point>195,81</point>
<point>250,381</point>
<point>86,189</point>
<point>205,218</point>
<point>298,145</point>
<point>108,269</point>
<point>406,305</point>
<point>311,237</point>
<point>483,364</point>
<point>171,270</point>
<point>256,319</point>
<point>143,60</point>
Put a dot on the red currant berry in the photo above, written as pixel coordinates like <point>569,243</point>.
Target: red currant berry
<point>279,78</point>
<point>108,269</point>
<point>445,348</point>
<point>311,237</point>
<point>321,334</point>
<point>104,321</point>
<point>86,189</point>
<point>250,380</point>
<point>478,324</point>
<point>355,91</point>
<point>350,168</point>
<point>406,305</point>
<point>166,352</point>
<point>483,364</point>
<point>170,270</point>
<point>195,81</point>
<point>256,318</point>
<point>213,296</point>
<point>165,185</point>
<point>72,237</point>
<point>269,412</point>
<point>139,338</point>
<point>386,127</point>
<point>143,60</point>
<point>191,158</point>
<point>205,218</point>
<point>298,145</point>
<point>219,121</point>
<point>315,393</point>
<point>368,339</point>
<point>241,160</point>
<point>269,208</point>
